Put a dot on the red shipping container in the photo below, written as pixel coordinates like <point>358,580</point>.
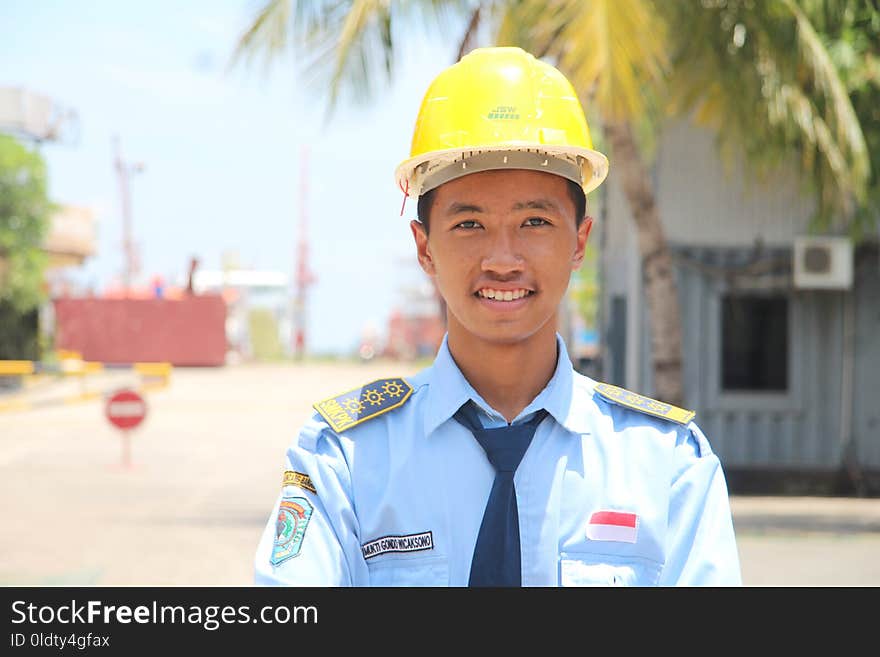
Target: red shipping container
<point>184,332</point>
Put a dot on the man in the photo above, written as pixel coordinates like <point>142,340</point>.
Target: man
<point>500,465</point>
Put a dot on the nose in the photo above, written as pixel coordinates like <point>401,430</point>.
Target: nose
<point>503,257</point>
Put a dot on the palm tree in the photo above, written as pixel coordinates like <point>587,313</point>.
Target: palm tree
<point>631,61</point>
<point>851,30</point>
<point>767,83</point>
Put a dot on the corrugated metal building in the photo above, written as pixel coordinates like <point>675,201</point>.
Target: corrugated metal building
<point>785,380</point>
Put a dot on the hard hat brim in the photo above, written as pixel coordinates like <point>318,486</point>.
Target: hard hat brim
<point>412,174</point>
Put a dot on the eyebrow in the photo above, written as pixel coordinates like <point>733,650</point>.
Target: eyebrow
<point>535,204</point>
<point>463,208</point>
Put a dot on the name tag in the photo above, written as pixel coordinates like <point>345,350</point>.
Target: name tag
<point>407,543</point>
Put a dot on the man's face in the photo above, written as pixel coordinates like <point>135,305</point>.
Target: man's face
<point>501,248</point>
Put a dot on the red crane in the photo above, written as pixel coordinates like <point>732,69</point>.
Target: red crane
<point>304,275</point>
<point>124,171</point>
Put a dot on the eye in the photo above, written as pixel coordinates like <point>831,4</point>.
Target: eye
<point>536,221</point>
<point>468,225</point>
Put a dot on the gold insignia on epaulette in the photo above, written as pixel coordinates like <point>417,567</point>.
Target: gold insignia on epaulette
<point>644,404</point>
<point>361,404</point>
<point>298,479</point>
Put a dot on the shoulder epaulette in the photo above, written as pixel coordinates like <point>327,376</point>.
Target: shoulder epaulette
<point>644,404</point>
<point>361,404</point>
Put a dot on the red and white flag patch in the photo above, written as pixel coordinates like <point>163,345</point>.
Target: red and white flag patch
<point>613,526</point>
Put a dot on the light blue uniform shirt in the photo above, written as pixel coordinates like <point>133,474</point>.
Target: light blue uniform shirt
<point>607,495</point>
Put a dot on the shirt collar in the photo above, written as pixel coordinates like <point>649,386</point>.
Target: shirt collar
<point>448,389</point>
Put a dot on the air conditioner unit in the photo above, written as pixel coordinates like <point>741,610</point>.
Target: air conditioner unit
<point>823,263</point>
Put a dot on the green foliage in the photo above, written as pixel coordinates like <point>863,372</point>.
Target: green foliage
<point>24,218</point>
<point>19,334</point>
<point>764,76</point>
<point>851,28</point>
<point>584,287</point>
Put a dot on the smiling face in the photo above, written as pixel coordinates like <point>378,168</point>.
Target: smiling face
<point>501,248</point>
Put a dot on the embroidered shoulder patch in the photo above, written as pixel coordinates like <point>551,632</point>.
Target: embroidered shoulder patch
<point>290,528</point>
<point>298,479</point>
<point>644,404</point>
<point>364,403</point>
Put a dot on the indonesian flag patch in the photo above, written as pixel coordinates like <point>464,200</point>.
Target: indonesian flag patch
<point>613,526</point>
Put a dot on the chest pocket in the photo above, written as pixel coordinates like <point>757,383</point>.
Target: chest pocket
<point>606,570</point>
<point>428,571</point>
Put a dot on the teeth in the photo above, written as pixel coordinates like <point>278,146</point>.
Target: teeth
<point>506,295</point>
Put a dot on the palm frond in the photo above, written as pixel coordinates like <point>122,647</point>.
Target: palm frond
<point>470,33</point>
<point>268,34</point>
<point>365,20</point>
<point>848,132</point>
<point>343,45</point>
<point>613,51</point>
<point>765,81</point>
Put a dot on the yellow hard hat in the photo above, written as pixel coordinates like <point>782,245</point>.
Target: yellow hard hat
<point>500,108</point>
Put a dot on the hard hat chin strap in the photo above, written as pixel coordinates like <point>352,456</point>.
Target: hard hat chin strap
<point>405,196</point>
<point>493,160</point>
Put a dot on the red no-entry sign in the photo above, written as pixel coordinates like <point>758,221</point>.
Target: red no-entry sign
<point>126,409</point>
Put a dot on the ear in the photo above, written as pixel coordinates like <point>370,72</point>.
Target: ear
<point>422,250</point>
<point>583,232</point>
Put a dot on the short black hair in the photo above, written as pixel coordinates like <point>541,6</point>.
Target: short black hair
<point>426,201</point>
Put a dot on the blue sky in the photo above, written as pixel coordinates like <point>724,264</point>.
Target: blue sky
<point>222,150</point>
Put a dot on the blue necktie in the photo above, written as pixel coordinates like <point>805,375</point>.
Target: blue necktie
<point>496,560</point>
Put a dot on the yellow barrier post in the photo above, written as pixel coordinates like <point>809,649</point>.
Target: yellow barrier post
<point>154,375</point>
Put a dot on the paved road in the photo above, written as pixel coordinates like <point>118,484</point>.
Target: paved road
<point>206,468</point>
